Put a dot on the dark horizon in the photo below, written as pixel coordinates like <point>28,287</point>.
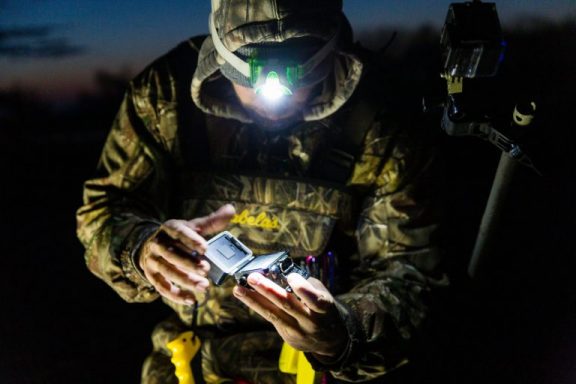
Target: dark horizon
<point>54,48</point>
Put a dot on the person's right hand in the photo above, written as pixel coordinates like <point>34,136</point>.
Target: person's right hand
<point>171,258</point>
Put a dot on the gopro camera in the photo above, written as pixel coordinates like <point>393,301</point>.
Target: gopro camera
<point>229,257</point>
<point>472,41</point>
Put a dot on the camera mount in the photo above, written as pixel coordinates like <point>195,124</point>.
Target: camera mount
<point>473,49</point>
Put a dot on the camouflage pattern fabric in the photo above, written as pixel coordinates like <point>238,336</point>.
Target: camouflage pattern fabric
<point>170,156</point>
<point>251,356</point>
<point>158,369</point>
<point>272,213</point>
<point>279,20</point>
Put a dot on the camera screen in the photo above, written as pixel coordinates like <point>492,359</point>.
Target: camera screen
<point>227,253</point>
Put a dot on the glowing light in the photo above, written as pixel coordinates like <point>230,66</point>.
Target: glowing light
<point>272,90</point>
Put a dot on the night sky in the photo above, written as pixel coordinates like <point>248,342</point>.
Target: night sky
<point>55,46</point>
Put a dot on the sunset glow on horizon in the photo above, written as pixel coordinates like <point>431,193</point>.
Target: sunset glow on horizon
<point>124,37</point>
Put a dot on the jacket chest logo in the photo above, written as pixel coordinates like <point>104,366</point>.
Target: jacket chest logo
<point>264,221</point>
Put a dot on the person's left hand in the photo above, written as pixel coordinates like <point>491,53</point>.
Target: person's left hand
<point>307,320</point>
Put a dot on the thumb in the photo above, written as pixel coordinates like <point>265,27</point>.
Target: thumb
<point>215,222</point>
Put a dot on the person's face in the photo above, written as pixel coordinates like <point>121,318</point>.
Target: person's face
<point>273,115</point>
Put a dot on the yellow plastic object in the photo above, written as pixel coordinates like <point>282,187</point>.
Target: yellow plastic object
<point>293,361</point>
<point>455,84</point>
<point>183,349</point>
<point>524,119</point>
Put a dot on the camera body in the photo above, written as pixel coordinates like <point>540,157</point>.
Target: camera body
<point>229,257</point>
<point>471,40</point>
<point>473,50</point>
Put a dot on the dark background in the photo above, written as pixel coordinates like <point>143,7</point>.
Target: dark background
<point>60,324</point>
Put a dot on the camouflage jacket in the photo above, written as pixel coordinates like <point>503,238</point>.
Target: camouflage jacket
<point>165,158</point>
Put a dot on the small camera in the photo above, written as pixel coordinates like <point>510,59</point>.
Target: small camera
<point>229,257</point>
<point>472,40</point>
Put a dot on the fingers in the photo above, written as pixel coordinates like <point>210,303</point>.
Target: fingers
<point>172,282</point>
<point>215,222</point>
<point>179,258</point>
<point>181,230</point>
<point>168,259</point>
<point>169,290</point>
<point>278,296</point>
<point>174,273</point>
<point>262,306</point>
<point>189,232</point>
<point>294,321</point>
<point>312,293</point>
<point>186,280</point>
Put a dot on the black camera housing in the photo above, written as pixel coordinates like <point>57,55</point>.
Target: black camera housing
<point>472,44</point>
<point>229,257</point>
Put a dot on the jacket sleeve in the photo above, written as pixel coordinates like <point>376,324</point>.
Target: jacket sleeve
<point>127,200</point>
<point>398,260</point>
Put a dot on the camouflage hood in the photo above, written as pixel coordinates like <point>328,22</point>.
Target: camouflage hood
<point>242,22</point>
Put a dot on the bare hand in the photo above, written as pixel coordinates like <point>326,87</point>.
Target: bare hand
<point>171,259</point>
<point>307,320</point>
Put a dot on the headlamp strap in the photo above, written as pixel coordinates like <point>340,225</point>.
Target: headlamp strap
<point>319,56</point>
<point>244,68</point>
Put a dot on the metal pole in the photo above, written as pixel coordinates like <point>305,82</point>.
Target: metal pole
<point>484,246</point>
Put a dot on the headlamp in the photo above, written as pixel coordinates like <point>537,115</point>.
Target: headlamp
<point>272,78</point>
